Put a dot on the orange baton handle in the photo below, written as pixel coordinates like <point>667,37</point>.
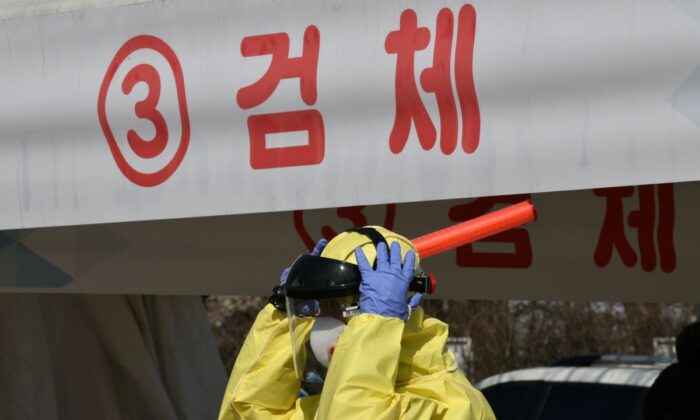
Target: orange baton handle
<point>475,229</point>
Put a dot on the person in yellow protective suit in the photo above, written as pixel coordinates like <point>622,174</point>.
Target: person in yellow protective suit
<point>389,362</point>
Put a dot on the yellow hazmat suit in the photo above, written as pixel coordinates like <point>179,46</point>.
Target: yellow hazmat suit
<point>381,369</point>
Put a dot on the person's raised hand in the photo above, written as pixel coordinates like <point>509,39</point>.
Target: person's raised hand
<point>383,290</point>
<point>318,249</point>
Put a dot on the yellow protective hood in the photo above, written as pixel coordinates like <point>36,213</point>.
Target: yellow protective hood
<point>342,247</point>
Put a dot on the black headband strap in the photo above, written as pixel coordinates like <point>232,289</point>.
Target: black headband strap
<point>372,233</point>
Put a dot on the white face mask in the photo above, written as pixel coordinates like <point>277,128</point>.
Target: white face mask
<point>324,337</point>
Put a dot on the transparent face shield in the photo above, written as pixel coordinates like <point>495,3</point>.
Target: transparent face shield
<point>315,326</point>
<point>320,297</point>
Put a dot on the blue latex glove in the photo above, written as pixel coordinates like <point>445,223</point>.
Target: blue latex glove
<point>318,249</point>
<point>414,301</point>
<point>383,291</point>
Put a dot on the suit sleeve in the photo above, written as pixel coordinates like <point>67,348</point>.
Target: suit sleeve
<point>382,369</point>
<point>263,384</point>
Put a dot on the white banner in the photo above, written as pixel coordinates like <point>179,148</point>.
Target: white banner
<point>185,108</point>
<point>621,244</point>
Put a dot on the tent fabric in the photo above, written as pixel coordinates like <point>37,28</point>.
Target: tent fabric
<point>107,357</point>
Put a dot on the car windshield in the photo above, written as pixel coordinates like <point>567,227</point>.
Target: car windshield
<point>577,401</point>
<point>515,400</point>
<point>572,401</point>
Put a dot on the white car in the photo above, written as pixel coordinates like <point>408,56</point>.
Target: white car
<point>609,388</point>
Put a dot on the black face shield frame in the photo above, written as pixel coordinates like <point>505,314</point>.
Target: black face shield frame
<point>312,277</point>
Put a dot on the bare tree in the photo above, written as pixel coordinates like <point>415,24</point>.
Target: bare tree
<point>506,335</point>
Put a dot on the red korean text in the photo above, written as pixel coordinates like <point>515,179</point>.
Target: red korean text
<point>519,238</point>
<point>355,216</point>
<point>282,67</point>
<point>653,220</point>
<point>437,79</point>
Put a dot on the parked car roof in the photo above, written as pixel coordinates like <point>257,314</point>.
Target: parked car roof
<point>633,375</point>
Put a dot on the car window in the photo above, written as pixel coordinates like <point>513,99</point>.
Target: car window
<point>578,401</point>
<point>514,400</point>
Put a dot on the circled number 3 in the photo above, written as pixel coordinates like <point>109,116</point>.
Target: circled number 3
<point>146,109</point>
